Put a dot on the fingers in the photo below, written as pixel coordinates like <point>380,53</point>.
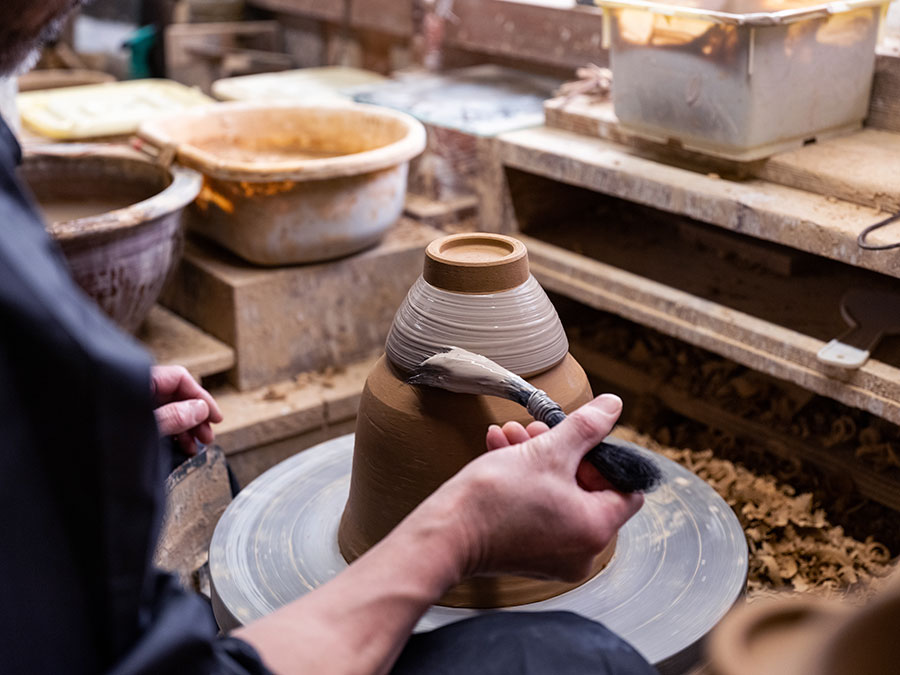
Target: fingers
<point>203,433</point>
<point>176,418</point>
<point>496,439</point>
<point>536,429</point>
<point>175,383</point>
<point>187,443</point>
<point>582,430</point>
<point>590,479</point>
<point>513,433</point>
<point>614,508</point>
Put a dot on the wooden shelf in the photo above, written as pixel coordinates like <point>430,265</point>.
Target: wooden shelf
<point>870,483</point>
<point>861,168</point>
<point>174,341</point>
<point>802,220</point>
<point>748,340</point>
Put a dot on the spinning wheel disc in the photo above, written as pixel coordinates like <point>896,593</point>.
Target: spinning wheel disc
<point>679,565</point>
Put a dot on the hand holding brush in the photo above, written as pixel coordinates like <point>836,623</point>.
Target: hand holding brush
<point>463,372</point>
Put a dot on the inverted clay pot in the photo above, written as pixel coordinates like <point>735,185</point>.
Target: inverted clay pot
<point>477,293</point>
<point>286,183</point>
<point>117,218</point>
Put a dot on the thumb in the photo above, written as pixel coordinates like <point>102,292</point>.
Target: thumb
<point>181,416</point>
<point>583,429</point>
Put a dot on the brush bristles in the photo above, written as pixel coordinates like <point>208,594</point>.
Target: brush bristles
<point>625,468</point>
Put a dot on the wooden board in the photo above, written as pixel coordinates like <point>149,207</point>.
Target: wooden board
<point>869,482</point>
<point>884,107</point>
<point>286,320</point>
<point>861,168</point>
<point>199,54</point>
<point>564,38</point>
<point>174,341</point>
<point>438,213</point>
<point>795,218</point>
<point>384,16</point>
<point>328,10</point>
<point>755,343</point>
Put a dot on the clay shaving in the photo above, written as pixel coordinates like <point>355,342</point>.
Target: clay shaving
<point>789,509</point>
<point>792,543</point>
<point>320,378</point>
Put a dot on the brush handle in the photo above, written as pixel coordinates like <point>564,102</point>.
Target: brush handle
<point>625,468</point>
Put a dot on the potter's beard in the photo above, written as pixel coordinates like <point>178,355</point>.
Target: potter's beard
<point>19,50</point>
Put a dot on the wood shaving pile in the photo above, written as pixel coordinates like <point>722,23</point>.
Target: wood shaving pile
<point>782,406</point>
<point>807,531</point>
<point>792,543</point>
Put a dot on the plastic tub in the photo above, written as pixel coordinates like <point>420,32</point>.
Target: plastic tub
<point>286,184</point>
<point>741,79</point>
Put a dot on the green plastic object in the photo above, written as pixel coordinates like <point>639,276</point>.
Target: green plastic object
<point>140,44</point>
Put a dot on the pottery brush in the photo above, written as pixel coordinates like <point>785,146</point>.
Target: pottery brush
<point>463,372</point>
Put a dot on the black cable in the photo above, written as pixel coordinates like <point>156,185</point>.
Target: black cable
<point>861,240</point>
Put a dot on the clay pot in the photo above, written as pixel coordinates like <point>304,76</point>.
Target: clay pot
<point>479,295</point>
<point>810,636</point>
<point>286,183</point>
<point>117,217</point>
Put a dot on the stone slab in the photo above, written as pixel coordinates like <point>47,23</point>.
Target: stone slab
<point>174,341</point>
<point>288,320</point>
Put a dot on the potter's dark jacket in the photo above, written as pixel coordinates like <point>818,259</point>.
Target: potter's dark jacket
<point>81,478</point>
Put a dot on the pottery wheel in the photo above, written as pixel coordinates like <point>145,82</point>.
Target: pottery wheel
<point>679,564</point>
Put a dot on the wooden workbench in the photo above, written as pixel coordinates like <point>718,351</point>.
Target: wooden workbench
<point>799,208</point>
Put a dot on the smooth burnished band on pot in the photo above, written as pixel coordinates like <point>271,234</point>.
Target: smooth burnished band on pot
<point>517,328</point>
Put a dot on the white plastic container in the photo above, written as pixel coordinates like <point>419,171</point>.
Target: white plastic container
<point>741,79</point>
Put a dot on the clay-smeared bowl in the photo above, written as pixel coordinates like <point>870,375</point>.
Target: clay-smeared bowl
<point>117,217</point>
<point>477,293</point>
<point>285,183</point>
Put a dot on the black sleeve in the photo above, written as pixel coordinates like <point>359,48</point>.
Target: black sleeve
<point>180,639</point>
<point>81,480</point>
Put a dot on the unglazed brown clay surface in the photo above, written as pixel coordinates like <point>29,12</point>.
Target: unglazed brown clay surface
<point>476,263</point>
<point>410,440</point>
<point>510,590</point>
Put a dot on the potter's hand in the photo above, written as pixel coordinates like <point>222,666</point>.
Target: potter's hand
<point>531,506</point>
<point>186,409</point>
<point>524,507</point>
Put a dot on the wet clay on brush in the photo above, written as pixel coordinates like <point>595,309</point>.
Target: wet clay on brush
<point>517,328</point>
